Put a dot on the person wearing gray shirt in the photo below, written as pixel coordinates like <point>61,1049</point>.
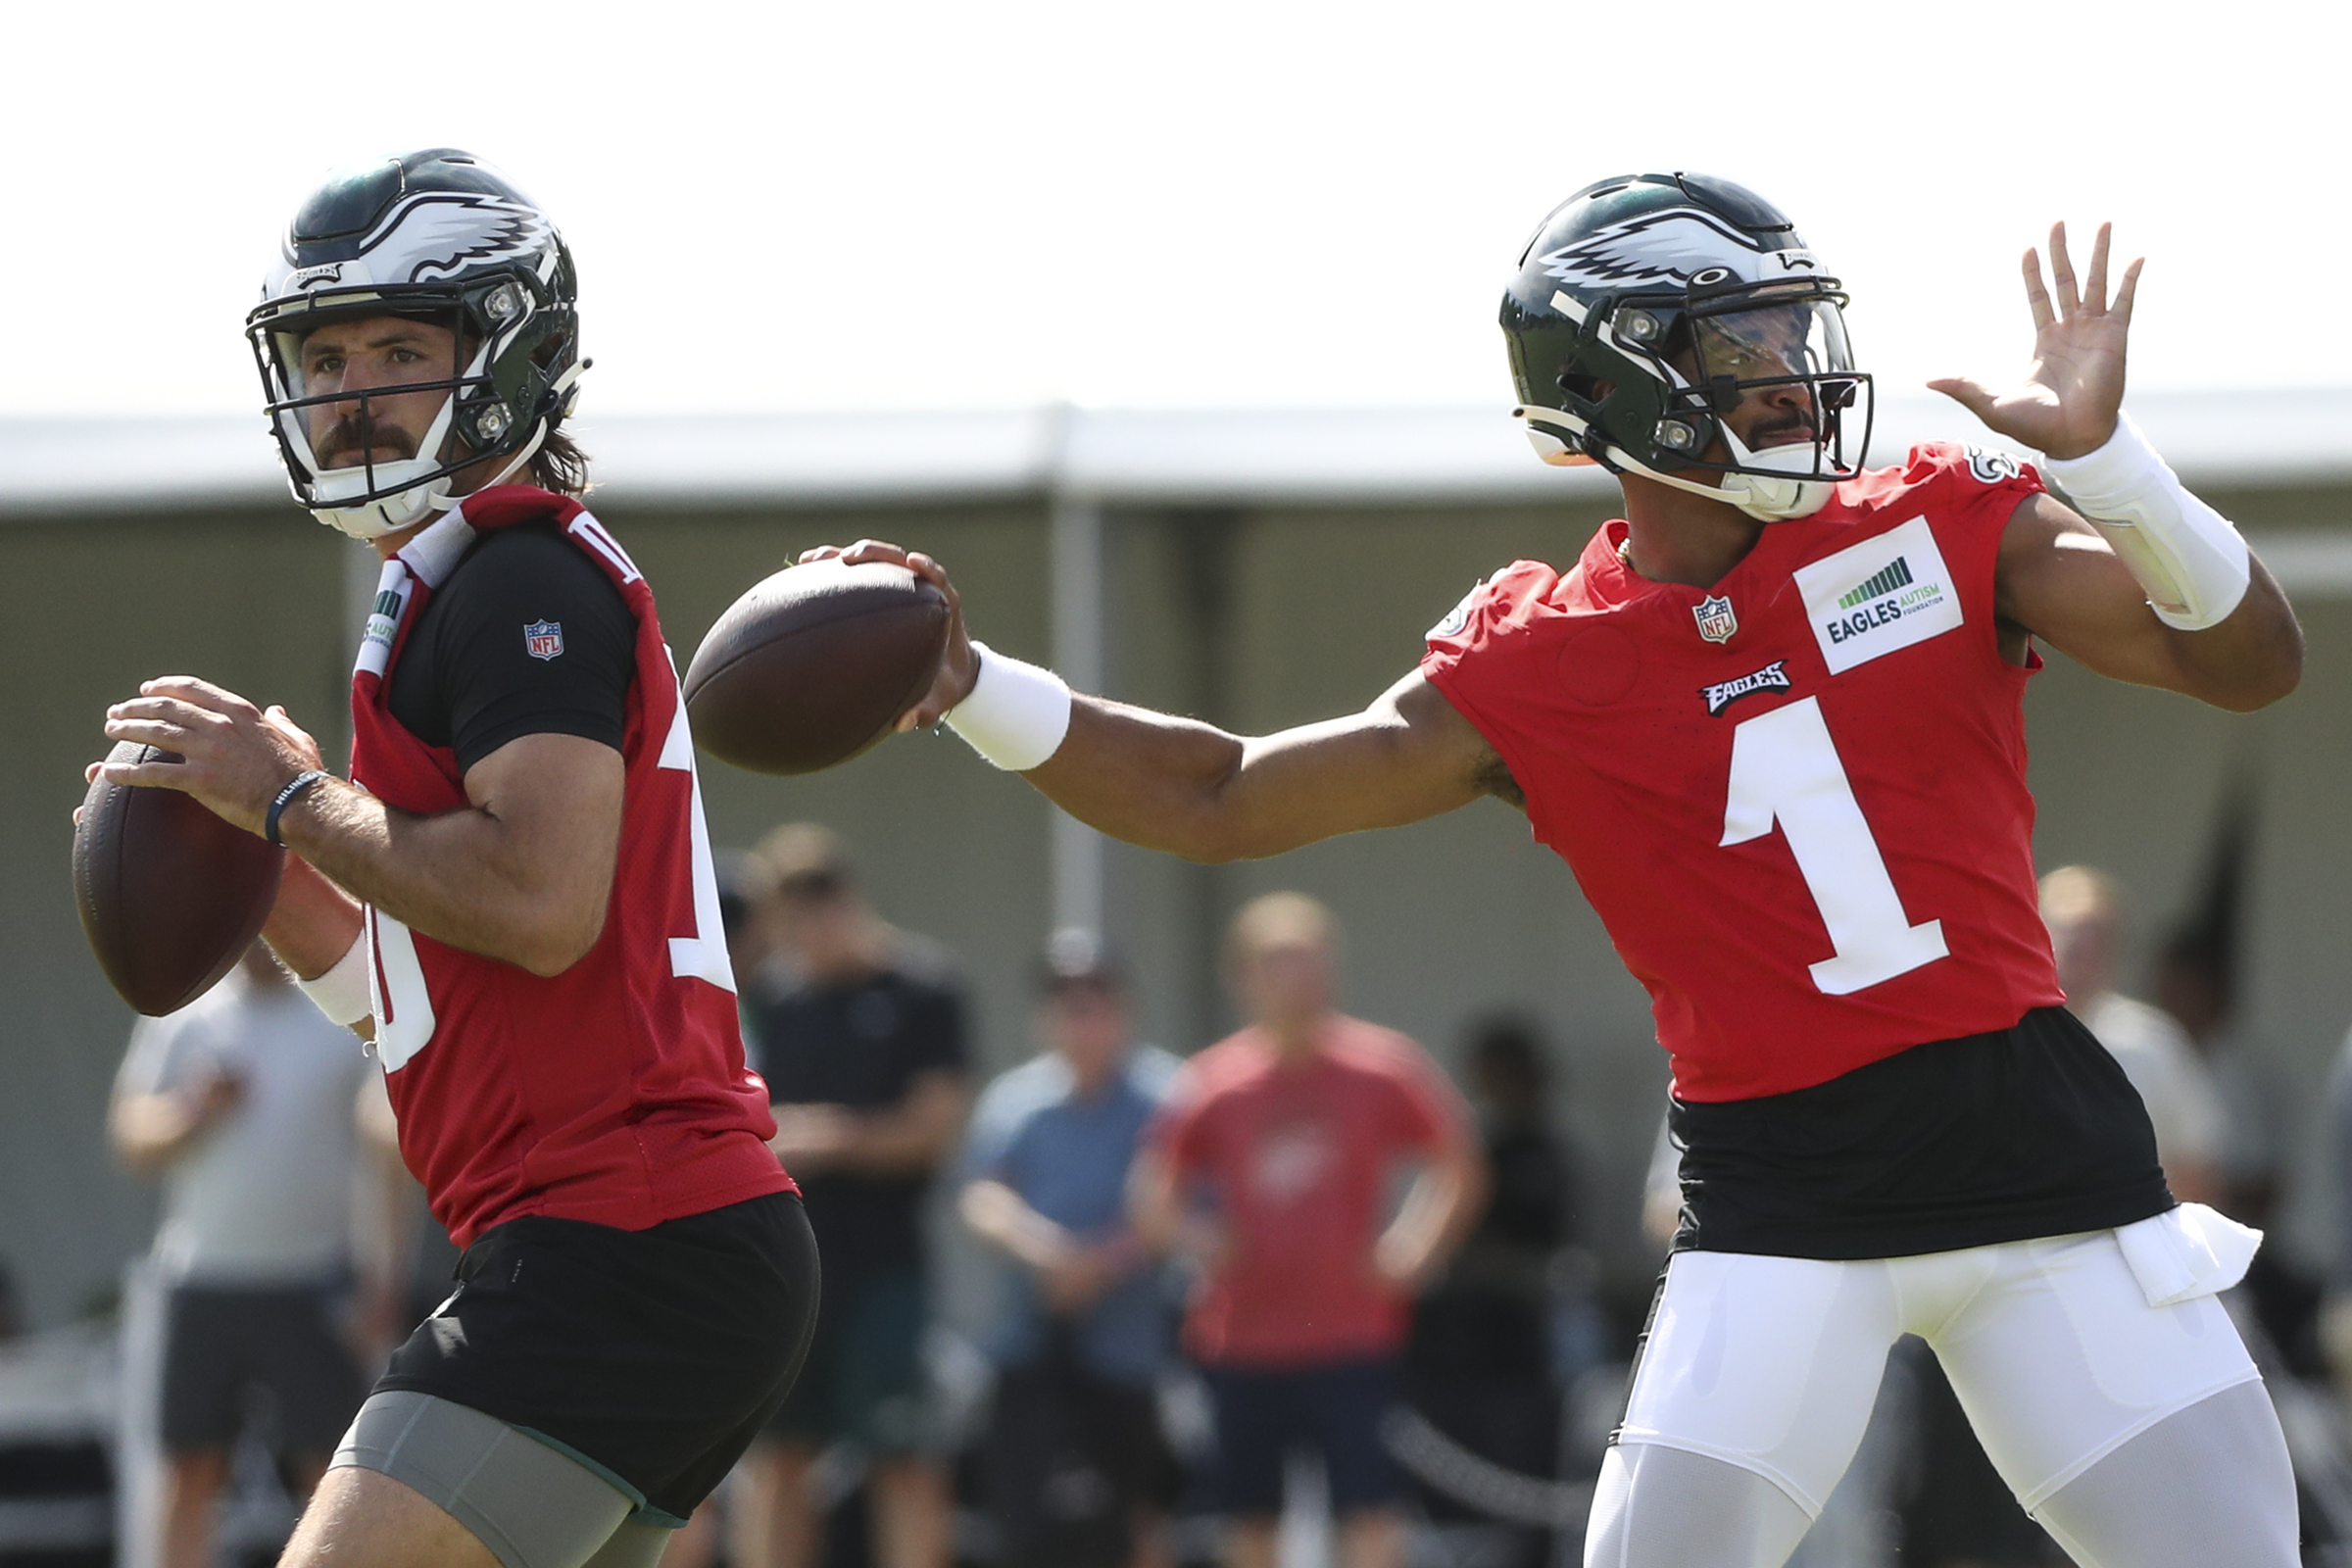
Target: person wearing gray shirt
<point>243,1102</point>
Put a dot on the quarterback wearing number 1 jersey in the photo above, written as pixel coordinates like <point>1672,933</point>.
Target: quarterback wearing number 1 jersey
<point>1772,720</point>
<point>1797,797</point>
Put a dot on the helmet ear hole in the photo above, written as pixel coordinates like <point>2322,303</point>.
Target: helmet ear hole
<point>1579,384</point>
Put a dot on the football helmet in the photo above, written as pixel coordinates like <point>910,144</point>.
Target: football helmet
<point>439,236</point>
<point>1649,306</point>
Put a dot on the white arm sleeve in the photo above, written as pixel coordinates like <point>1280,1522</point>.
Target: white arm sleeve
<point>2188,555</point>
<point>342,992</point>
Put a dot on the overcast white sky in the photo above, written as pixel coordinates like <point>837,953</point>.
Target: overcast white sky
<point>921,205</point>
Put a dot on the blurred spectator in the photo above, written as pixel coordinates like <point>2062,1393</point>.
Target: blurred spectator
<point>244,1103</point>
<point>859,1032</point>
<point>2081,908</point>
<point>747,886</point>
<point>1079,1474</point>
<point>1663,1188</point>
<point>1271,1171</point>
<point>1485,1364</point>
<point>1484,1327</point>
<point>2192,983</point>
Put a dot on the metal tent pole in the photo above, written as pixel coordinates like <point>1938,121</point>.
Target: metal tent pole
<point>1077,851</point>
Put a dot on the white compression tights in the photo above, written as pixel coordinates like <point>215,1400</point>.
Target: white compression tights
<point>2207,1485</point>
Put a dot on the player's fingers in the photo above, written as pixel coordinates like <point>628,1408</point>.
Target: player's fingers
<point>187,717</point>
<point>2036,296</point>
<point>932,572</point>
<point>816,553</point>
<point>200,693</point>
<point>2094,282</point>
<point>145,775</point>
<point>2128,290</point>
<point>865,550</point>
<point>1972,395</point>
<point>187,688</point>
<point>148,732</point>
<point>2062,271</point>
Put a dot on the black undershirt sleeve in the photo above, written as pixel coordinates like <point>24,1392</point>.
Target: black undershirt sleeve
<point>473,676</point>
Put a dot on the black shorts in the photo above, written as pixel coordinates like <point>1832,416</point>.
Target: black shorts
<point>1071,1456</point>
<point>654,1355</point>
<point>1335,1408</point>
<point>221,1344</point>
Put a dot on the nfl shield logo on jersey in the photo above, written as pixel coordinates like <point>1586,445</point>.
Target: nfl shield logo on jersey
<point>543,639</point>
<point>1716,622</point>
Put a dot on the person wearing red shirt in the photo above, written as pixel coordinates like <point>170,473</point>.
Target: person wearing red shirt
<point>512,900</point>
<point>1773,719</point>
<point>1271,1168</point>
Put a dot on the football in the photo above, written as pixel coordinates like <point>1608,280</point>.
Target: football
<point>171,896</point>
<point>814,664</point>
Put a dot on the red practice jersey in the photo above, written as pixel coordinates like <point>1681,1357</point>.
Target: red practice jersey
<point>614,1092</point>
<point>1797,798</point>
<point>1298,1158</point>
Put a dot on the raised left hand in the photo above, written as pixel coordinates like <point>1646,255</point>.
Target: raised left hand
<point>236,755</point>
<point>2066,404</point>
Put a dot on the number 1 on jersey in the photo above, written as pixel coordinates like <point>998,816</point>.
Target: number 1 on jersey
<point>1785,769</point>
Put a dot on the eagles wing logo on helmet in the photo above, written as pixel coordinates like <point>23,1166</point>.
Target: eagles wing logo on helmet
<point>1674,247</point>
<point>436,235</point>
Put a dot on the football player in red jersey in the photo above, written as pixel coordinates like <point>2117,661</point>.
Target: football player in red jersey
<point>514,899</point>
<point>1772,721</point>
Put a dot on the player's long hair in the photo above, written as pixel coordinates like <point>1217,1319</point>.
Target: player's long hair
<point>559,465</point>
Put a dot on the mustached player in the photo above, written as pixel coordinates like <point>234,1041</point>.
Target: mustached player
<point>514,899</point>
<point>1772,721</point>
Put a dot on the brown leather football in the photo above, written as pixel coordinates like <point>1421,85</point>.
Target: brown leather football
<point>171,896</point>
<point>814,664</point>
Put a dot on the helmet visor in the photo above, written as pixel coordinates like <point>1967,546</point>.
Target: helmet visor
<point>1786,370</point>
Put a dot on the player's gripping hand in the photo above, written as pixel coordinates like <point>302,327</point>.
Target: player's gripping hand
<point>237,756</point>
<point>2066,404</point>
<point>958,666</point>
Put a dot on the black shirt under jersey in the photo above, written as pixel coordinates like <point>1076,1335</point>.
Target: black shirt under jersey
<point>472,678</point>
<point>861,1045</point>
<point>2024,1132</point>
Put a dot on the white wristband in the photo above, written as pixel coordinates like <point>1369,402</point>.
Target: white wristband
<point>1016,713</point>
<point>2190,559</point>
<point>342,992</point>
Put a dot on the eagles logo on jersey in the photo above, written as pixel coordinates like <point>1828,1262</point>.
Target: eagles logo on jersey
<point>1648,307</point>
<point>440,236</point>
